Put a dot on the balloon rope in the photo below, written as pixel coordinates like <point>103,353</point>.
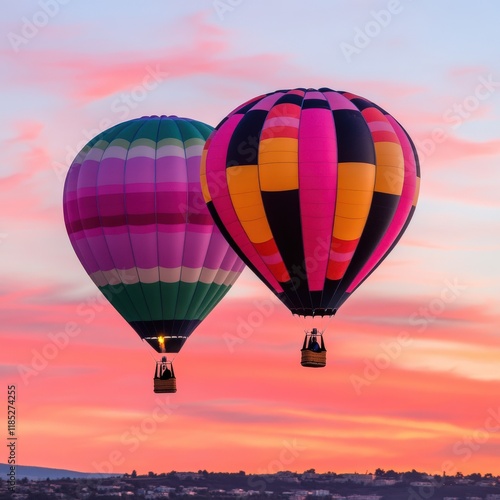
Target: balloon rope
<point>149,352</point>
<point>328,324</point>
<point>303,319</point>
<point>164,354</point>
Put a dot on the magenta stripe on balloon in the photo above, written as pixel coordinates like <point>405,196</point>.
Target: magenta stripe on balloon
<point>171,169</point>
<point>139,169</point>
<point>318,186</point>
<point>99,248</point>
<point>216,169</point>
<point>103,221</point>
<point>120,248</point>
<point>193,172</point>
<point>144,248</point>
<point>119,229</point>
<point>171,187</point>
<point>195,248</point>
<point>338,101</point>
<point>268,102</point>
<point>111,171</point>
<point>246,103</point>
<point>87,174</point>
<point>85,254</point>
<point>174,241</point>
<point>281,121</point>
<point>214,258</point>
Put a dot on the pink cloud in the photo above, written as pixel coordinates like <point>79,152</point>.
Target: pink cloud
<point>27,130</point>
<point>88,78</point>
<point>448,148</point>
<point>27,153</point>
<point>458,72</point>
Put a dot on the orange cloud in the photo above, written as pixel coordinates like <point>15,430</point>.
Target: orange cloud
<point>256,400</point>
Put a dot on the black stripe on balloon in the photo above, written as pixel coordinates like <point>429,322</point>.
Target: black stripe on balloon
<point>243,147</point>
<point>354,139</point>
<point>174,345</point>
<point>415,154</point>
<point>317,308</point>
<point>315,103</point>
<point>362,104</point>
<point>290,99</point>
<point>180,332</point>
<point>247,107</point>
<point>381,213</point>
<point>389,250</point>
<point>285,299</point>
<point>329,294</point>
<point>235,247</point>
<point>224,120</point>
<point>282,210</point>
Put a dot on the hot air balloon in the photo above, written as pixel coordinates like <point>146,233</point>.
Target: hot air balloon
<point>313,189</point>
<point>138,223</point>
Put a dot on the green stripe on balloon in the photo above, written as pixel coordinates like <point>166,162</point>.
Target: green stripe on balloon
<point>179,301</point>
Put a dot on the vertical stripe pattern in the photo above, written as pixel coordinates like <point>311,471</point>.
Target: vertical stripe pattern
<point>312,188</point>
<point>136,217</point>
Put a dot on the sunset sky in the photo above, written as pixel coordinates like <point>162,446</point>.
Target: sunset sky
<point>413,377</point>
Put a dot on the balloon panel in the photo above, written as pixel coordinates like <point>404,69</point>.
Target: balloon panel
<point>312,188</point>
<point>138,223</point>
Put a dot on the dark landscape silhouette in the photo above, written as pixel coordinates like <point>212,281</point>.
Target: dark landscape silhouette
<point>30,484</point>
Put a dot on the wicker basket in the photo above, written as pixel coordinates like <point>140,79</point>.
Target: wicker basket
<point>313,359</point>
<point>168,385</point>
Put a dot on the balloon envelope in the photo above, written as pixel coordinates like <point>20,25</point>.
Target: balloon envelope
<point>312,188</point>
<point>138,223</point>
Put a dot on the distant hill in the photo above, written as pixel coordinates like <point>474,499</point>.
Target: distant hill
<point>37,473</point>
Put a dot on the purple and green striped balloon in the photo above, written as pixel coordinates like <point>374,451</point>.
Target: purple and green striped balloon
<point>137,221</point>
